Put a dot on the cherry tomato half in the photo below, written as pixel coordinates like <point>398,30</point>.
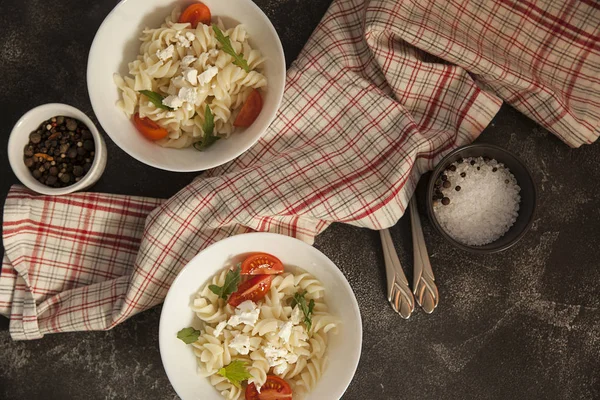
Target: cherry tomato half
<point>253,289</point>
<point>262,263</point>
<point>274,388</point>
<point>149,128</point>
<point>250,110</point>
<point>195,14</point>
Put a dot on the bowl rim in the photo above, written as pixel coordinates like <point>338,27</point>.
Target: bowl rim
<point>29,180</point>
<point>266,237</point>
<point>116,138</point>
<point>445,235</point>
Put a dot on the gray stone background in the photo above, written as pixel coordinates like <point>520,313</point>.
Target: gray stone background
<point>523,324</point>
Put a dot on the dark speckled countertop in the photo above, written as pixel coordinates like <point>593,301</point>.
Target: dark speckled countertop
<point>523,324</point>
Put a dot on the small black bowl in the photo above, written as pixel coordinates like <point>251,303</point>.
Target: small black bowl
<point>524,180</point>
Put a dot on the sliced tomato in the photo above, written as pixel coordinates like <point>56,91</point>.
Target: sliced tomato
<point>253,289</point>
<point>262,263</point>
<point>250,110</point>
<point>195,14</point>
<point>274,388</point>
<point>149,128</point>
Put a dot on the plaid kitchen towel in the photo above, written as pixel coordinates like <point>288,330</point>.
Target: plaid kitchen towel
<point>380,92</point>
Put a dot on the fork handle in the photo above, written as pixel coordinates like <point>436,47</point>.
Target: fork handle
<point>424,286</point>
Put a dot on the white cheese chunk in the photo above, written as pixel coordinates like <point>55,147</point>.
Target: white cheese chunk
<point>191,75</point>
<point>187,60</point>
<point>285,331</point>
<point>185,40</point>
<point>273,354</point>
<point>188,95</point>
<point>296,315</point>
<point>219,329</point>
<point>280,368</point>
<point>166,53</point>
<point>245,313</point>
<point>241,343</point>
<point>172,101</point>
<point>207,75</point>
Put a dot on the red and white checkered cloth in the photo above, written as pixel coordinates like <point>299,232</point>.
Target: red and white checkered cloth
<point>366,111</point>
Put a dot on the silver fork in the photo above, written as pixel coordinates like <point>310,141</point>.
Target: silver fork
<point>399,294</point>
<point>424,288</point>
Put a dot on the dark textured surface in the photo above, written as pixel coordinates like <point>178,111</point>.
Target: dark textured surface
<point>520,324</point>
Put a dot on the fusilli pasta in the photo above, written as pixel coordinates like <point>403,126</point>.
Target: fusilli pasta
<point>270,336</point>
<point>189,70</point>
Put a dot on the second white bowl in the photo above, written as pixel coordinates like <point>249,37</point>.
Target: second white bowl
<point>343,349</point>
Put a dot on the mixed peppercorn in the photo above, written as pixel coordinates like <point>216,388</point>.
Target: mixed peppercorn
<point>60,152</point>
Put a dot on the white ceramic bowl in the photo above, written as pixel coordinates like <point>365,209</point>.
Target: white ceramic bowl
<point>19,137</point>
<point>117,43</point>
<point>343,349</point>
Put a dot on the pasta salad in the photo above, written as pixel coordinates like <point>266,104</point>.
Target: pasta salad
<point>193,82</point>
<point>265,331</point>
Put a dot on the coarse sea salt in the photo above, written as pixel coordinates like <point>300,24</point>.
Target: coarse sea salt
<point>481,202</point>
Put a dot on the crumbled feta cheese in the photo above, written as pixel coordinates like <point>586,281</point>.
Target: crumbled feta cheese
<point>285,331</point>
<point>234,321</point>
<point>214,85</point>
<point>219,329</point>
<point>213,53</point>
<point>191,75</point>
<point>241,343</point>
<point>207,75</point>
<point>172,101</point>
<point>178,81</point>
<point>245,313</point>
<point>183,40</point>
<point>296,315</point>
<point>166,53</point>
<point>150,104</point>
<point>273,353</point>
<point>280,368</point>
<point>187,60</point>
<point>190,36</point>
<point>188,94</point>
<point>246,306</point>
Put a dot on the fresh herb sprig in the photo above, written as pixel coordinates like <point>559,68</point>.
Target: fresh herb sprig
<point>238,59</point>
<point>188,335</point>
<point>156,99</point>
<point>208,128</point>
<point>307,309</point>
<point>236,372</point>
<point>232,279</point>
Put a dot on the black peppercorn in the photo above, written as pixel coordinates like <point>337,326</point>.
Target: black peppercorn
<point>457,188</point>
<point>447,184</point>
<point>444,178</point>
<point>65,178</point>
<point>472,162</point>
<point>445,201</point>
<point>35,138</point>
<point>78,170</point>
<point>463,174</point>
<point>88,145</point>
<point>452,168</point>
<point>71,124</point>
<point>494,169</point>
